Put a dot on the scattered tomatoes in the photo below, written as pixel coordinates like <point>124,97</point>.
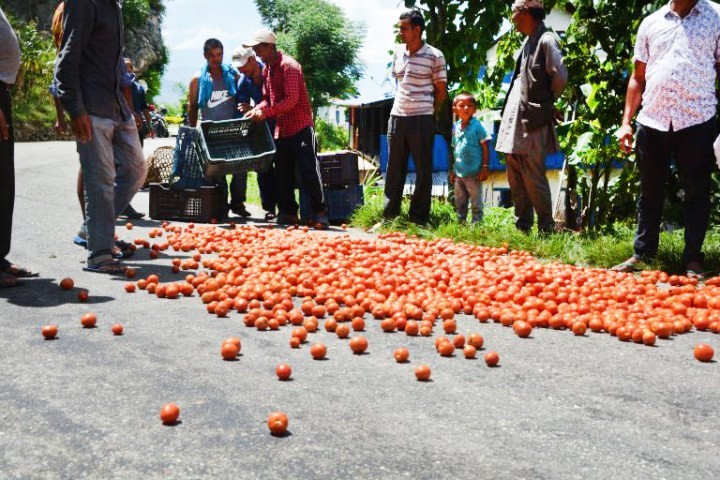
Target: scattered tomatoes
<point>117,329</point>
<point>283,371</point>
<point>703,352</point>
<point>277,423</point>
<point>88,320</point>
<point>401,355</point>
<point>422,373</point>
<point>67,283</point>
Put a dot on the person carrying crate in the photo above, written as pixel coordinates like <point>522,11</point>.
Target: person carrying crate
<point>212,92</point>
<point>249,89</point>
<point>286,100</point>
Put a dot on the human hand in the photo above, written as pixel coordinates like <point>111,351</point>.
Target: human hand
<point>61,126</point>
<point>452,177</point>
<point>82,128</point>
<point>4,127</point>
<point>244,107</point>
<point>483,175</point>
<point>624,135</point>
<point>256,115</point>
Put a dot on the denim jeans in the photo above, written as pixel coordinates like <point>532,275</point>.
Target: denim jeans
<point>409,136</point>
<point>694,158</point>
<point>468,188</point>
<point>114,169</point>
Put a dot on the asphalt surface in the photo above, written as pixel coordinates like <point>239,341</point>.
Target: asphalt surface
<point>86,405</point>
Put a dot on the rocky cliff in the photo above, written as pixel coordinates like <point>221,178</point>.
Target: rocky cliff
<point>143,43</point>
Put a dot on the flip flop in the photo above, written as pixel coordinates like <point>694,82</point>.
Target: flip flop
<point>628,266</point>
<point>79,241</point>
<point>699,276</point>
<point>18,272</point>
<point>9,281</point>
<point>111,267</point>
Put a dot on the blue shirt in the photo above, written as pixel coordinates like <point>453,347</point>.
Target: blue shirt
<point>247,89</point>
<point>467,146</point>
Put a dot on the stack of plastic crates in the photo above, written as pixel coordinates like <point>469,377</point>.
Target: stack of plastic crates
<point>195,190</point>
<point>341,185</point>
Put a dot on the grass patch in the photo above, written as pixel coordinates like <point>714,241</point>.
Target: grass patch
<point>497,229</point>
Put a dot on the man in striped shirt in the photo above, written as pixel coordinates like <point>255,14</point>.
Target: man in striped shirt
<point>421,76</point>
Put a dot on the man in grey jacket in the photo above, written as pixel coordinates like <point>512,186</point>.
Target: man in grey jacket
<point>527,131</point>
<point>111,158</point>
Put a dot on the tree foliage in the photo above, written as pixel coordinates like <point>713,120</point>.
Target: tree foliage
<point>321,38</point>
<point>464,31</point>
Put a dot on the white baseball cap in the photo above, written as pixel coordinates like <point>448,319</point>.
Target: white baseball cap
<point>240,56</point>
<point>261,36</point>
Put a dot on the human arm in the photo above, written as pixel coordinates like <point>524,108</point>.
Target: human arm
<point>4,127</point>
<point>483,174</point>
<point>633,98</point>
<point>439,94</point>
<point>554,65</point>
<point>293,83</point>
<point>192,110</point>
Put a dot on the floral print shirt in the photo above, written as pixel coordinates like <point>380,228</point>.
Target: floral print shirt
<point>681,55</point>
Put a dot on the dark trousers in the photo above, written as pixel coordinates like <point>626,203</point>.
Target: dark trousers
<point>238,190</point>
<point>7,177</point>
<point>409,136</point>
<point>299,150</point>
<point>267,186</point>
<point>530,190</point>
<point>694,157</point>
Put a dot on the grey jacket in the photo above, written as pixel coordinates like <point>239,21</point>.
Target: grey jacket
<point>541,83</point>
<point>87,70</point>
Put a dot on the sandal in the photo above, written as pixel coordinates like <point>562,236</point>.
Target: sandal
<point>111,267</point>
<point>122,249</point>
<point>269,216</point>
<point>9,281</point>
<point>694,269</point>
<point>17,272</point>
<point>628,266</point>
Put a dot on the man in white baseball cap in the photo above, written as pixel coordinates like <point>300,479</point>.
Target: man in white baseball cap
<point>261,36</point>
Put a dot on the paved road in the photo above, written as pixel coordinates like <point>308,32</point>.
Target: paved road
<point>86,405</point>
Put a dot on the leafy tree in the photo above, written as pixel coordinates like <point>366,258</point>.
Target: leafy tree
<point>319,36</point>
<point>464,31</point>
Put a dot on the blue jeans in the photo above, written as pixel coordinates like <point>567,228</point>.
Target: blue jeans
<point>468,188</point>
<point>114,169</point>
<point>692,150</point>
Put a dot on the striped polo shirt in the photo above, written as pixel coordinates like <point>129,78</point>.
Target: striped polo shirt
<point>416,75</point>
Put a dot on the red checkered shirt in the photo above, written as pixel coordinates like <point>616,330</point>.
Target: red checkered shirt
<point>285,96</point>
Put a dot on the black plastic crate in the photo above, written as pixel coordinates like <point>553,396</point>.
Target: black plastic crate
<point>200,205</point>
<point>234,146</point>
<point>339,169</point>
<point>188,162</point>
<point>341,203</point>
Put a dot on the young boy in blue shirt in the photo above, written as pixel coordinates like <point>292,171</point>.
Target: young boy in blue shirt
<point>470,146</point>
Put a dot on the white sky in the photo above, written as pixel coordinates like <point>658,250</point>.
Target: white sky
<point>188,23</point>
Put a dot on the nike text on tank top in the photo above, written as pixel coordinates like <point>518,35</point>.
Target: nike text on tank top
<point>221,105</point>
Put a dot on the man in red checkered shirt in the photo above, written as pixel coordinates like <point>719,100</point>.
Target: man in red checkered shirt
<point>285,99</point>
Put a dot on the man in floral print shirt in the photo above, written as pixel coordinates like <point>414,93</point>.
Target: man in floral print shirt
<point>677,54</point>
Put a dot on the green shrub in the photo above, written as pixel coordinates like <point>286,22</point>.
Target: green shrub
<point>331,137</point>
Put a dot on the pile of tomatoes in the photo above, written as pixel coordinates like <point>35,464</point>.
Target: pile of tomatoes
<point>412,285</point>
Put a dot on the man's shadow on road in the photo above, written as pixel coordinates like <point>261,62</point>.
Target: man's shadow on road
<point>44,293</point>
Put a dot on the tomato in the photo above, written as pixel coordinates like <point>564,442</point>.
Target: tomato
<point>522,329</point>
<point>169,413</point>
<point>318,351</point>
<point>117,329</point>
<point>703,352</point>
<point>458,341</point>
<point>358,345</point>
<point>401,355</point>
<point>283,371</point>
<point>579,328</point>
<point>422,373</point>
<point>277,423</point>
<point>49,331</point>
<point>388,325</point>
<point>301,333</point>
<point>235,341</point>
<point>445,348</point>
<point>67,283</point>
<point>476,340</point>
<point>469,351</point>
<point>129,226</point>
<point>492,358</point>
<point>294,342</point>
<point>130,287</point>
<point>83,295</point>
<point>88,320</point>
<point>342,331</point>
<point>229,351</point>
<point>411,328</point>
